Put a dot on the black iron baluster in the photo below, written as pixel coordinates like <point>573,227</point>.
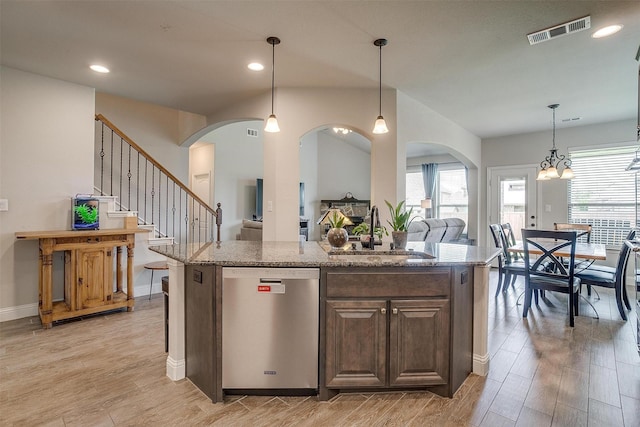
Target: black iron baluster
<point>146,163</point>
<point>153,190</point>
<point>129,180</point>
<point>173,211</point>
<point>120,191</point>
<point>138,185</point>
<point>102,159</point>
<point>111,168</point>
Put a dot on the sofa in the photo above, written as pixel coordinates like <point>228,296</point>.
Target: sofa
<point>251,230</point>
<point>436,230</point>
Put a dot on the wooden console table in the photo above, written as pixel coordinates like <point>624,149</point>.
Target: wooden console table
<point>88,271</point>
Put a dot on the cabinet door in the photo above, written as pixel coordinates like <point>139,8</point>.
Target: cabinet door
<point>419,342</point>
<point>356,343</point>
<point>94,278</point>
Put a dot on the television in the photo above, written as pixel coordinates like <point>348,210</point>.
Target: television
<point>259,199</point>
<point>85,213</point>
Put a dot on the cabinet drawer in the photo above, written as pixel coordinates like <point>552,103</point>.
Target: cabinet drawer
<point>392,283</point>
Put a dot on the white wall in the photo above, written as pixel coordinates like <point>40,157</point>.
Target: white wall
<point>309,175</point>
<point>238,163</point>
<point>46,157</point>
<point>155,128</point>
<point>342,168</point>
<point>533,147</point>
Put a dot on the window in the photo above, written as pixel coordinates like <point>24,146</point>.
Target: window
<point>451,198</point>
<point>603,193</point>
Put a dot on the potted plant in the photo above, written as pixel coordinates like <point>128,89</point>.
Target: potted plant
<point>337,236</point>
<point>400,220</point>
<point>362,230</point>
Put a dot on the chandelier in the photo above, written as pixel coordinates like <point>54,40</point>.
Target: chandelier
<point>550,165</point>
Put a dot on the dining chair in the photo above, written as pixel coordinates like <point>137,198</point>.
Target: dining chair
<point>584,235</point>
<point>611,277</point>
<point>510,238</point>
<point>548,272</point>
<point>508,269</point>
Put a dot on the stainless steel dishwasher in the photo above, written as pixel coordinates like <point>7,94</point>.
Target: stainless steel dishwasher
<point>270,328</point>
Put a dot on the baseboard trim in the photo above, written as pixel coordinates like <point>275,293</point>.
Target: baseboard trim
<point>18,312</point>
<point>175,369</point>
<point>28,310</point>
<point>481,364</point>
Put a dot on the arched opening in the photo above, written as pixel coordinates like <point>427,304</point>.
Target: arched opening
<point>225,165</point>
<point>451,195</point>
<point>335,163</point>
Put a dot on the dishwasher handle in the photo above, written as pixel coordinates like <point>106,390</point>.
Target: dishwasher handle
<point>270,280</point>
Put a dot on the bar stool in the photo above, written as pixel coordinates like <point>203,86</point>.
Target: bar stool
<point>153,266</point>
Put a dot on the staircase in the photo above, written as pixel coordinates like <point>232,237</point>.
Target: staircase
<point>135,190</point>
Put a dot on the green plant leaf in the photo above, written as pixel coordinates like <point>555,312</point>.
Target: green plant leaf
<point>400,219</point>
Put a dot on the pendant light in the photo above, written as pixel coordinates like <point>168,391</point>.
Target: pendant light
<point>380,125</point>
<point>272,122</point>
<point>550,165</point>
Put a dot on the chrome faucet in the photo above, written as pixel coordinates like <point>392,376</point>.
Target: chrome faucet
<point>374,223</point>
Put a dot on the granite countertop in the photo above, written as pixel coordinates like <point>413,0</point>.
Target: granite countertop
<point>319,254</point>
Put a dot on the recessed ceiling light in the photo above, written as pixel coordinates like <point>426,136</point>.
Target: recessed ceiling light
<point>99,68</point>
<point>255,66</point>
<point>606,31</point>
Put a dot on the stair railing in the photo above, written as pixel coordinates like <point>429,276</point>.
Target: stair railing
<point>142,184</point>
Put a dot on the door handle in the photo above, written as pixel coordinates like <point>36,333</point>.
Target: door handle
<point>383,310</point>
<point>395,311</point>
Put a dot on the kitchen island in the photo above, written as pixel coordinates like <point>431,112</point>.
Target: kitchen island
<point>435,292</point>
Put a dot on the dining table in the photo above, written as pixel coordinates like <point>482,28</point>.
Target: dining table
<point>592,251</point>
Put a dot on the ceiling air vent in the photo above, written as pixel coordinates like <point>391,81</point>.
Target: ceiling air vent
<point>252,132</point>
<point>560,30</point>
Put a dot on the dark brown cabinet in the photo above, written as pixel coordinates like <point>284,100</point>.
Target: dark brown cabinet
<point>391,328</point>
<point>419,342</point>
<point>356,343</point>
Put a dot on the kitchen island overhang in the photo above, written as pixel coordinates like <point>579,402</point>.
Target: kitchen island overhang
<point>312,254</point>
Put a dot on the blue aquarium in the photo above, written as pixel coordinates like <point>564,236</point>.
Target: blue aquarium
<point>85,213</point>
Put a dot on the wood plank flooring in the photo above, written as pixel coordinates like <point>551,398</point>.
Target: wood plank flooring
<point>109,370</point>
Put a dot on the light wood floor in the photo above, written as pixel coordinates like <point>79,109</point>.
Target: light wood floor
<point>110,370</point>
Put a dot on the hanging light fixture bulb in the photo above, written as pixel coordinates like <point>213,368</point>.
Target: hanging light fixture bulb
<point>549,166</point>
<point>272,122</point>
<point>380,126</point>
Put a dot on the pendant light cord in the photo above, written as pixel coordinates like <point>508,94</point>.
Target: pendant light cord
<point>553,137</point>
<point>554,128</point>
<point>273,71</point>
<point>380,84</point>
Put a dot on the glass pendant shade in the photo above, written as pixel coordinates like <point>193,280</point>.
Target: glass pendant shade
<point>567,173</point>
<point>542,175</point>
<point>380,126</point>
<point>272,124</point>
<point>552,172</point>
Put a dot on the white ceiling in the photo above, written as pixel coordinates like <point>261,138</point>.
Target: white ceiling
<point>468,60</point>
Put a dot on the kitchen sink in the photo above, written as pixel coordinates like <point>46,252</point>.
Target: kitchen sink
<point>383,257</point>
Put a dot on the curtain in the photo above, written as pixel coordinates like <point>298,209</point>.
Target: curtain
<point>429,175</point>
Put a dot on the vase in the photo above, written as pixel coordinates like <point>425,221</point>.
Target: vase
<point>337,237</point>
<point>399,239</point>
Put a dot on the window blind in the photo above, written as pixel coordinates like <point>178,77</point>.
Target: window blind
<point>602,193</point>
